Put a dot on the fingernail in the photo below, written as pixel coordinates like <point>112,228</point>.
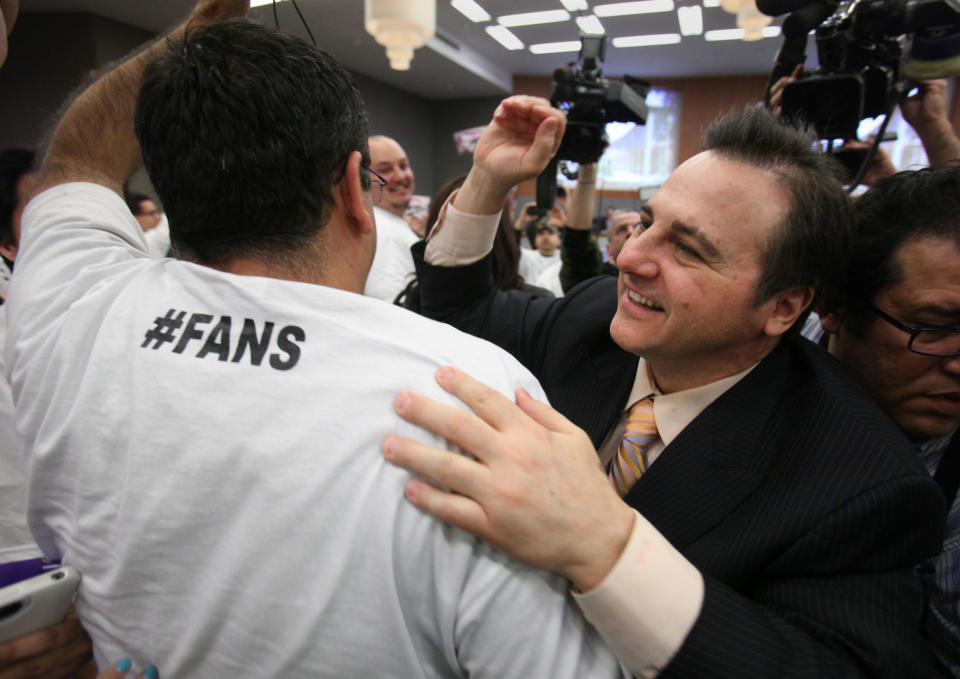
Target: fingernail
<point>401,402</point>
<point>389,446</point>
<point>151,672</point>
<point>123,665</point>
<point>411,491</point>
<point>444,374</point>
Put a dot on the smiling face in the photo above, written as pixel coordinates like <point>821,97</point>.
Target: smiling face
<point>689,273</point>
<point>920,393</point>
<point>388,159</point>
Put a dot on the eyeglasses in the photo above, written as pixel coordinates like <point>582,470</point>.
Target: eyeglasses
<point>376,186</point>
<point>926,340</point>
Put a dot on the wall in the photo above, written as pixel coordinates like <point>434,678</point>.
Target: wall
<point>451,116</point>
<point>407,118</point>
<point>36,79</point>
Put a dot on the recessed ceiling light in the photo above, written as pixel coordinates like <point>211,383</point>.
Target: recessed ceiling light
<point>711,3</point>
<point>641,7</point>
<point>503,35</point>
<point>647,40</point>
<point>591,25</point>
<point>531,18</point>
<point>725,34</point>
<point>738,33</point>
<point>554,47</point>
<point>574,5</point>
<point>471,10</point>
<point>691,20</point>
<point>260,3</point>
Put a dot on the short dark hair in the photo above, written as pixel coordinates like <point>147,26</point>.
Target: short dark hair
<point>14,163</point>
<point>244,130</point>
<point>134,200</point>
<point>811,245</point>
<point>904,206</point>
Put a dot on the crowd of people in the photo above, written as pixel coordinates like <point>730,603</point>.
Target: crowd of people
<point>724,446</point>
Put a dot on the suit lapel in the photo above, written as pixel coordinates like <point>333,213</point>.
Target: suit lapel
<point>613,376</point>
<point>711,467</point>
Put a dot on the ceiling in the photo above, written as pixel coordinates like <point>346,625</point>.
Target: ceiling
<point>462,60</point>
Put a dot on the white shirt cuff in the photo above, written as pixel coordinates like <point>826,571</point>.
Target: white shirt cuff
<point>648,602</point>
<point>459,238</point>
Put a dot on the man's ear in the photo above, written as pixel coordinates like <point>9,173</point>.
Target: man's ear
<point>353,197</point>
<point>785,309</point>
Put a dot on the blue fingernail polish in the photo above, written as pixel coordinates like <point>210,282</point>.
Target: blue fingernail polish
<point>151,672</point>
<point>123,665</point>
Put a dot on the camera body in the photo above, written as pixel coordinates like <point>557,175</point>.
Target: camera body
<point>862,47</point>
<point>590,101</point>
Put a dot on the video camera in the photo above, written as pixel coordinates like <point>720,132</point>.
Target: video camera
<point>590,102</point>
<point>862,46</point>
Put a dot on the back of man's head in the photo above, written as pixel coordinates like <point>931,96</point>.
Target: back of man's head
<point>905,206</point>
<point>244,131</point>
<point>811,245</point>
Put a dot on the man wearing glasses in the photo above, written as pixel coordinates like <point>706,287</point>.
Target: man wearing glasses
<point>896,326</point>
<point>392,177</point>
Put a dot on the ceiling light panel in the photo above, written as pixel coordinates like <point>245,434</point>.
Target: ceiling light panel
<point>531,18</point>
<point>505,37</point>
<point>641,7</point>
<point>647,40</point>
<point>590,25</point>
<point>725,34</point>
<point>555,47</point>
<point>738,33</point>
<point>471,10</point>
<point>691,20</point>
<point>261,3</point>
<point>575,5</point>
<point>711,3</point>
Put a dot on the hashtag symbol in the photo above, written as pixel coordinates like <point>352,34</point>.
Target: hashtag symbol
<point>163,327</point>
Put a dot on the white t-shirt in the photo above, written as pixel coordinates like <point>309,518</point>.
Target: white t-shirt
<point>16,543</point>
<point>532,264</point>
<point>205,449</point>
<point>392,266</point>
<point>549,279</point>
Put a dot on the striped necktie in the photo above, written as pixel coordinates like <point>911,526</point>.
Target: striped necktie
<point>631,460</point>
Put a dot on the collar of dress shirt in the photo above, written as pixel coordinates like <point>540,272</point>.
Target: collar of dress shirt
<point>673,412</point>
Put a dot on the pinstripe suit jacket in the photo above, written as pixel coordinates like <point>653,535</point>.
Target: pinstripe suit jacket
<point>802,505</point>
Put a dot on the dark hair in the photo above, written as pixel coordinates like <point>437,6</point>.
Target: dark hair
<point>898,208</point>
<point>133,200</point>
<point>14,163</point>
<point>244,130</point>
<point>811,245</point>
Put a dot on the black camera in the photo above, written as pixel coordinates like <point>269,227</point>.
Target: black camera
<point>590,102</point>
<point>862,47</point>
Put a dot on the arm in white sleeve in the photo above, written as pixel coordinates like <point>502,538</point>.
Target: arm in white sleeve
<point>460,238</point>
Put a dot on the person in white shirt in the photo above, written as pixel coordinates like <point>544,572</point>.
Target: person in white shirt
<point>392,265</point>
<point>203,434</point>
<point>547,254</point>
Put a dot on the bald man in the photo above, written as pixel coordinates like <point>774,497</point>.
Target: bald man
<point>393,264</point>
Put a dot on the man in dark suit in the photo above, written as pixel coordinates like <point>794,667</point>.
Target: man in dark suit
<point>772,514</point>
